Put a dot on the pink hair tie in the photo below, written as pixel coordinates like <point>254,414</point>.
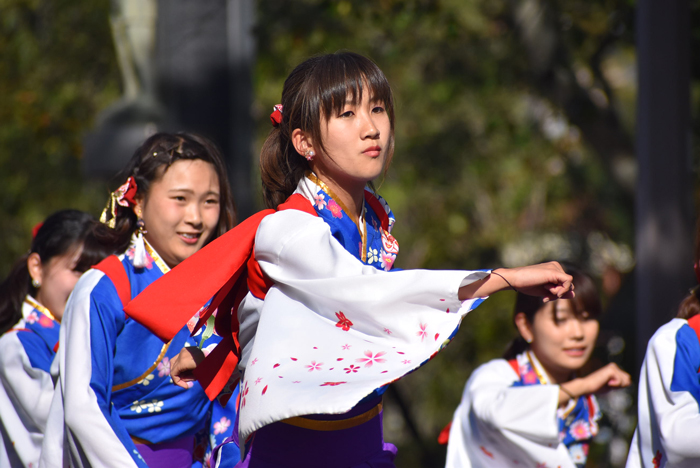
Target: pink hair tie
<point>276,116</point>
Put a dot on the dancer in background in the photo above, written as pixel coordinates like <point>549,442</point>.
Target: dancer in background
<point>319,323</point>
<point>668,404</point>
<point>119,403</point>
<point>32,299</point>
<point>530,408</point>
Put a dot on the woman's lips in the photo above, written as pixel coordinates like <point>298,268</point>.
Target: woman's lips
<point>373,151</point>
<point>575,352</point>
<point>190,237</point>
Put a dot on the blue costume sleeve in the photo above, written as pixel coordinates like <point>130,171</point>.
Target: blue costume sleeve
<point>92,322</point>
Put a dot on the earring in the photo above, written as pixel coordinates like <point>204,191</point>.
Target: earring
<point>140,259</point>
<point>36,284</point>
<point>528,340</point>
<point>309,155</point>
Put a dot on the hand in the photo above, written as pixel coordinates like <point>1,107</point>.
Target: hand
<point>546,280</point>
<point>183,365</point>
<point>600,381</point>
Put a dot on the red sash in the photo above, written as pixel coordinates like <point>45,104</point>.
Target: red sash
<point>226,270</point>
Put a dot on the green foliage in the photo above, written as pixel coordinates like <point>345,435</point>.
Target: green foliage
<point>57,70</point>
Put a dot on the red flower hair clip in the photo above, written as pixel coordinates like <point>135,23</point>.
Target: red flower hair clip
<point>276,116</point>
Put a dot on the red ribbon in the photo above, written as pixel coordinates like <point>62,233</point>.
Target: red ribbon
<point>35,229</point>
<point>276,116</point>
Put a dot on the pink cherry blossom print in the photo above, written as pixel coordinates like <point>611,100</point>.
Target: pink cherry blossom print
<point>244,393</point>
<point>258,380</point>
<point>335,209</point>
<point>347,346</point>
<point>275,366</point>
<point>343,322</point>
<point>579,430</point>
<point>340,359</point>
<point>351,369</point>
<point>320,201</point>
<point>387,260</point>
<point>389,243</point>
<point>422,332</point>
<point>221,425</point>
<point>191,323</point>
<point>45,322</point>
<point>437,335</point>
<point>293,358</point>
<point>314,366</point>
<point>331,384</point>
<point>32,317</point>
<point>486,452</point>
<point>164,367</point>
<point>264,390</point>
<point>406,361</point>
<point>387,331</point>
<point>255,361</point>
<point>371,358</point>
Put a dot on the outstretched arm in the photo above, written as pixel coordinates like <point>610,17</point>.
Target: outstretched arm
<point>547,280</point>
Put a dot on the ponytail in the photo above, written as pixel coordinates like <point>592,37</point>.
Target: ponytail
<point>281,167</point>
<point>12,293</point>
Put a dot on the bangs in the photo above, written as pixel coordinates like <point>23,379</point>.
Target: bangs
<point>343,77</point>
<point>587,298</point>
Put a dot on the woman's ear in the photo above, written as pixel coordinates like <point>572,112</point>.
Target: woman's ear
<point>35,270</point>
<point>524,327</point>
<point>302,141</point>
<point>138,207</point>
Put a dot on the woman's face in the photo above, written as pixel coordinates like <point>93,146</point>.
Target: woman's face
<point>561,340</point>
<point>181,210</point>
<point>57,278</point>
<point>356,141</point>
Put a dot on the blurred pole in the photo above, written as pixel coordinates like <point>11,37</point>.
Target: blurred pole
<point>204,57</point>
<point>664,214</point>
<point>241,57</point>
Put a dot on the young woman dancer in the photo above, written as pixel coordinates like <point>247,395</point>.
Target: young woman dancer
<point>120,406</point>
<point>319,323</point>
<point>32,299</point>
<point>529,408</point>
<point>668,408</point>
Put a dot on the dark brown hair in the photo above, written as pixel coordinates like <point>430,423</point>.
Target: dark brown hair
<point>148,164</point>
<point>587,300</point>
<point>317,88</point>
<point>690,306</point>
<point>61,233</point>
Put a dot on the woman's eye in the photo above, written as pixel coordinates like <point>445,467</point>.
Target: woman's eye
<point>212,201</point>
<point>347,114</point>
<point>179,198</point>
<point>378,109</point>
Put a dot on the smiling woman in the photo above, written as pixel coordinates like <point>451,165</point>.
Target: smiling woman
<point>529,408</point>
<point>115,401</point>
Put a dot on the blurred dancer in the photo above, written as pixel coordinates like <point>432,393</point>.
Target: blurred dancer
<point>529,408</point>
<point>668,415</point>
<point>32,299</point>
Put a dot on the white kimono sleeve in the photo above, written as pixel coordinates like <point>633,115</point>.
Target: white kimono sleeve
<point>497,424</point>
<point>333,329</point>
<point>25,397</point>
<point>668,428</point>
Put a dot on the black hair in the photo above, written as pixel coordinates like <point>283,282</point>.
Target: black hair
<point>61,233</point>
<point>587,300</point>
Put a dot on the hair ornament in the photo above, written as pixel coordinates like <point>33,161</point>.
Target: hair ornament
<point>35,229</point>
<point>276,116</point>
<point>140,259</point>
<point>123,196</point>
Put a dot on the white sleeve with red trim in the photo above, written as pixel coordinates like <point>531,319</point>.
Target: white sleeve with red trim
<point>668,428</point>
<point>497,424</point>
<point>332,329</point>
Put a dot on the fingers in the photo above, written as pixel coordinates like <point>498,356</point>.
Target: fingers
<point>183,365</point>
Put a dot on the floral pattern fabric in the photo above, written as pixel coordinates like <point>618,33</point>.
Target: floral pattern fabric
<point>577,422</point>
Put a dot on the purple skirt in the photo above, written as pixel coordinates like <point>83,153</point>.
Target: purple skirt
<point>175,454</point>
<point>286,445</point>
